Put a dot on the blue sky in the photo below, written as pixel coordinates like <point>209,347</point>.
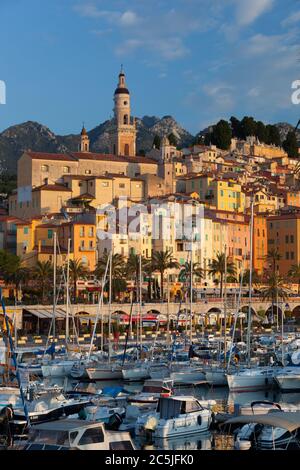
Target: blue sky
<point>198,60</point>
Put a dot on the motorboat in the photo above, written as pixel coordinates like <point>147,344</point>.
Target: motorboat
<point>274,430</point>
<point>59,368</point>
<point>77,435</point>
<point>288,379</point>
<point>105,372</point>
<point>152,391</point>
<point>253,379</point>
<point>174,416</point>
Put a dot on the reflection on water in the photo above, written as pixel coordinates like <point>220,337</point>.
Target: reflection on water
<point>202,441</point>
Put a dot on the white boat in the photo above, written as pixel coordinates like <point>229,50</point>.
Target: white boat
<point>58,369</point>
<point>152,391</point>
<point>174,416</point>
<point>288,379</point>
<point>135,374</point>
<point>259,378</point>
<point>104,372</point>
<point>77,434</point>
<point>216,377</point>
<point>189,376</point>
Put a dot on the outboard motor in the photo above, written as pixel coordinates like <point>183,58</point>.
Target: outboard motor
<point>6,415</point>
<point>114,422</point>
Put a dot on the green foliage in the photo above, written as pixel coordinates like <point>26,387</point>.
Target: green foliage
<point>156,142</point>
<point>173,139</point>
<point>8,182</point>
<point>273,135</point>
<point>290,145</point>
<point>221,135</point>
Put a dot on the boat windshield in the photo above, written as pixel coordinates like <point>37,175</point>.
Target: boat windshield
<point>50,437</point>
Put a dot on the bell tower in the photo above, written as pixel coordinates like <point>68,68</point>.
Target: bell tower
<point>84,141</point>
<point>123,135</point>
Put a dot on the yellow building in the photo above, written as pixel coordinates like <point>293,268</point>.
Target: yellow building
<point>223,194</point>
<point>284,235</point>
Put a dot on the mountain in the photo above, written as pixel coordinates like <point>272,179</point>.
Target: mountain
<point>34,136</point>
<point>284,128</point>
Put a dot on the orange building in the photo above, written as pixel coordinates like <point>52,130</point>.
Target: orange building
<point>83,241</point>
<point>260,242</point>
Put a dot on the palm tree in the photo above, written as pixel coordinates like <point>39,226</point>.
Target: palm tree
<point>294,273</point>
<point>149,269</point>
<point>185,273</point>
<point>161,261</point>
<point>42,272</point>
<point>273,256</point>
<point>12,270</point>
<point>78,270</point>
<point>256,279</point>
<point>118,271</point>
<point>217,268</point>
<point>133,267</point>
<point>274,289</point>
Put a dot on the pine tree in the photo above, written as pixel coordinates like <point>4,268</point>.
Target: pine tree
<point>221,135</point>
<point>290,145</point>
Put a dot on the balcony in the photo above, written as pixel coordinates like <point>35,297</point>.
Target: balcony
<point>87,248</point>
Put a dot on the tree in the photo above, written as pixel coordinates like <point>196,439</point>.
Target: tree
<point>217,268</point>
<point>133,267</point>
<point>78,270</point>
<point>261,131</point>
<point>290,145</point>
<point>273,256</point>
<point>43,272</point>
<point>236,127</point>
<point>173,139</point>
<point>221,135</point>
<point>246,277</point>
<point>12,270</point>
<point>294,274</point>
<point>118,270</point>
<point>149,269</point>
<point>248,127</point>
<point>156,142</point>
<point>274,289</point>
<point>185,273</point>
<point>273,135</point>
<point>142,153</point>
<point>163,260</point>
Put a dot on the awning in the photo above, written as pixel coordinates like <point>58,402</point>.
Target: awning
<point>279,419</point>
<point>46,313</point>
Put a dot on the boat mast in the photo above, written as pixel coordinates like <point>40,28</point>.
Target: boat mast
<point>225,302</point>
<point>54,282</point>
<point>109,305</point>
<point>68,293</point>
<point>191,292</point>
<point>141,300</point>
<point>250,281</point>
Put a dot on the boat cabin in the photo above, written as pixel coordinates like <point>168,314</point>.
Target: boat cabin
<point>80,435</point>
<point>173,407</point>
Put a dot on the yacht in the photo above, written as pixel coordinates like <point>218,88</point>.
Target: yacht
<point>174,416</point>
<point>152,391</point>
<point>105,372</point>
<point>255,379</point>
<point>288,379</point>
<point>75,434</point>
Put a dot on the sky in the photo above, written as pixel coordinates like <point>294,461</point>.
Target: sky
<point>197,60</point>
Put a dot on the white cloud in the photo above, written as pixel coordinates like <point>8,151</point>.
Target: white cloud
<point>129,18</point>
<point>261,44</point>
<point>292,19</point>
<point>247,11</point>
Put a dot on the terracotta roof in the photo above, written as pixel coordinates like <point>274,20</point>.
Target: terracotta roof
<point>52,187</point>
<point>110,157</point>
<point>50,156</point>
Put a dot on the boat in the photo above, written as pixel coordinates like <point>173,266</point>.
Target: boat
<point>105,372</point>
<point>57,369</point>
<point>288,379</point>
<point>174,416</point>
<point>152,391</point>
<point>189,375</point>
<point>136,374</point>
<point>274,430</point>
<point>76,434</point>
<point>254,379</point>
<point>216,376</point>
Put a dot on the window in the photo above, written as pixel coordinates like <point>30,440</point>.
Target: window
<point>91,231</point>
<point>92,436</point>
<point>81,232</point>
<point>122,185</point>
<point>292,238</point>
<point>105,184</point>
<point>91,244</point>
<point>88,172</point>
<point>44,168</point>
<point>26,230</point>
<point>292,255</point>
<point>50,234</point>
<point>287,255</point>
<point>66,169</point>
<point>286,239</point>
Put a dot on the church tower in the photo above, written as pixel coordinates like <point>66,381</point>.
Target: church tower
<point>84,141</point>
<point>123,136</point>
